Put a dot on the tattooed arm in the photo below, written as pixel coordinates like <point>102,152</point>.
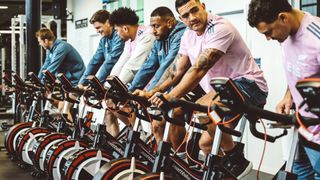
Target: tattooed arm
<point>173,74</point>
<point>193,76</point>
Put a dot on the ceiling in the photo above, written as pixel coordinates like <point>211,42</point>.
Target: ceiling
<point>16,7</point>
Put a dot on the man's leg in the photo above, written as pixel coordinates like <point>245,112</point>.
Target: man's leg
<point>64,106</point>
<point>234,159</point>
<point>158,129</point>
<point>128,118</point>
<point>205,143</point>
<point>111,119</point>
<point>111,123</point>
<point>302,166</point>
<point>314,157</point>
<point>176,133</point>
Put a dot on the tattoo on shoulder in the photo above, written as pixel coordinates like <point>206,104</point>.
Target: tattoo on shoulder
<point>207,59</point>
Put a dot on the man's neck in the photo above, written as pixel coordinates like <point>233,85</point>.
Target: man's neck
<point>295,20</point>
<point>175,22</point>
<point>51,43</point>
<point>133,31</point>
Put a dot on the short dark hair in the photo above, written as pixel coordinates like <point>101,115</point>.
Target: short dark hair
<point>100,16</point>
<point>180,3</point>
<point>162,12</point>
<point>123,16</point>
<point>266,10</point>
<point>45,33</point>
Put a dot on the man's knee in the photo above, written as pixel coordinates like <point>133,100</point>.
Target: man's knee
<point>110,118</point>
<point>174,129</point>
<point>157,126</point>
<point>205,141</point>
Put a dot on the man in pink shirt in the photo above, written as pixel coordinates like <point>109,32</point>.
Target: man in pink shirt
<point>299,35</point>
<point>214,48</point>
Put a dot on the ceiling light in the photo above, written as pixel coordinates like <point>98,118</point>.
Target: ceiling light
<point>3,7</point>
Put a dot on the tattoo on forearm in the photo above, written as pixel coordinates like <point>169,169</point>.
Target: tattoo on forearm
<point>173,70</point>
<point>170,71</point>
<point>206,60</point>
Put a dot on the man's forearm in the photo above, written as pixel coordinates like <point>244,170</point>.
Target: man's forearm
<point>168,79</point>
<point>191,79</point>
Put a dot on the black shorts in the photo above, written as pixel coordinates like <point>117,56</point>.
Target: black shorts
<point>195,94</point>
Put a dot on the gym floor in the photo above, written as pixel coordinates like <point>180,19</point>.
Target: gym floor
<point>10,170</point>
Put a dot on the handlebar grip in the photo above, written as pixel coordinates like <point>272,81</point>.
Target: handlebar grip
<point>34,79</point>
<point>164,100</point>
<point>49,76</point>
<point>140,116</point>
<point>189,105</point>
<point>229,130</point>
<point>200,126</point>
<point>65,82</point>
<point>172,120</point>
<point>140,99</point>
<point>259,134</point>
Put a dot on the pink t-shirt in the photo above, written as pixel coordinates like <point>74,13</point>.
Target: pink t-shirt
<point>237,61</point>
<point>301,58</point>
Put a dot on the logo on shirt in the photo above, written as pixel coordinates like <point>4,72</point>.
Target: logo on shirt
<point>210,27</point>
<point>296,69</point>
<point>314,29</point>
<point>140,32</point>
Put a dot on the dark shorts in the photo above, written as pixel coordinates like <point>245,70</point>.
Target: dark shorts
<point>251,91</point>
<point>195,94</point>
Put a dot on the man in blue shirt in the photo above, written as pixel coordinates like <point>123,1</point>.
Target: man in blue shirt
<point>168,32</point>
<point>109,50</point>
<point>61,57</point>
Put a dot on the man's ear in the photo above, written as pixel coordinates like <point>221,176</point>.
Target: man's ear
<point>125,28</point>
<point>203,5</point>
<point>283,17</point>
<point>170,23</point>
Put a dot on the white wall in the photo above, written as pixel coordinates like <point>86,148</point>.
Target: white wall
<point>82,39</point>
<point>85,39</point>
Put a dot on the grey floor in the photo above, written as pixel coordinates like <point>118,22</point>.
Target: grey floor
<point>9,169</point>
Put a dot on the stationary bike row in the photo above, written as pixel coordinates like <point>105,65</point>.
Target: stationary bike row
<point>166,164</point>
<point>80,156</point>
<point>20,100</point>
<point>21,137</point>
<point>24,140</point>
<point>230,96</point>
<point>309,89</point>
<point>15,143</point>
<point>84,164</point>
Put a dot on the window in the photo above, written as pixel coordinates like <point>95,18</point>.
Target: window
<point>311,6</point>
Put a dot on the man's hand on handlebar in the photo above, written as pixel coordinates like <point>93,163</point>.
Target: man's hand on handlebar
<point>284,106</point>
<point>142,93</point>
<point>81,86</point>
<point>155,100</point>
